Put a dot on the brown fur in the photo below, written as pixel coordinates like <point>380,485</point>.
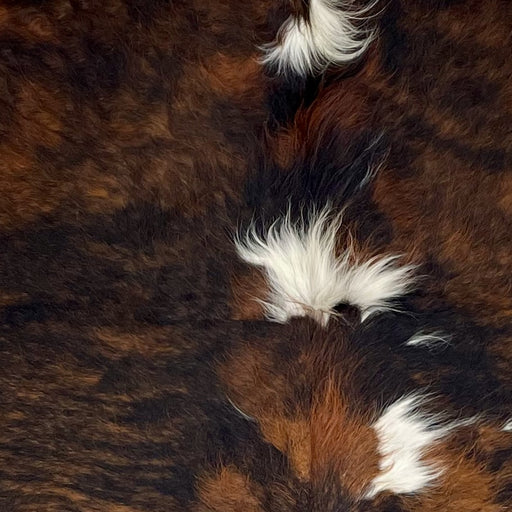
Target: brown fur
<point>466,480</point>
<point>442,191</point>
<point>317,431</point>
<point>130,135</point>
<point>341,442</point>
<point>229,490</point>
<point>249,288</point>
<point>157,89</point>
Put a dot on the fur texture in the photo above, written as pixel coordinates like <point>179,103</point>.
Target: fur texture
<point>430,341</point>
<point>137,371</point>
<point>405,435</point>
<point>307,277</point>
<point>328,33</point>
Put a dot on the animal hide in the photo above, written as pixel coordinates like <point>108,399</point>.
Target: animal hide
<point>255,256</point>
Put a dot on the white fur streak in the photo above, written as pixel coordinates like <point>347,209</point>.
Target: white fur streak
<point>239,411</point>
<point>405,434</point>
<point>306,277</point>
<point>429,341</point>
<point>329,37</point>
<point>508,426</point>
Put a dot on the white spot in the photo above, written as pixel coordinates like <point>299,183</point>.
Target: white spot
<point>508,426</point>
<point>330,36</point>
<point>405,434</point>
<point>430,341</point>
<point>306,277</point>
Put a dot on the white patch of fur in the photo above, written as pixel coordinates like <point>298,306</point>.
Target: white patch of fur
<point>430,341</point>
<point>405,434</point>
<point>329,37</point>
<point>508,426</point>
<point>306,276</point>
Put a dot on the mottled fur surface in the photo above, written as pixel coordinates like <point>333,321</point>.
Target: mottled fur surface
<point>138,372</point>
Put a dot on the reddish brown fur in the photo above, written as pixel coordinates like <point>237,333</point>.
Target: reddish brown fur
<point>341,442</point>
<point>249,288</point>
<point>161,98</point>
<point>130,135</point>
<point>228,489</point>
<point>320,436</point>
<point>465,483</point>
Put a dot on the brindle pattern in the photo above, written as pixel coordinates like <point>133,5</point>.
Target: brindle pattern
<point>135,137</point>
